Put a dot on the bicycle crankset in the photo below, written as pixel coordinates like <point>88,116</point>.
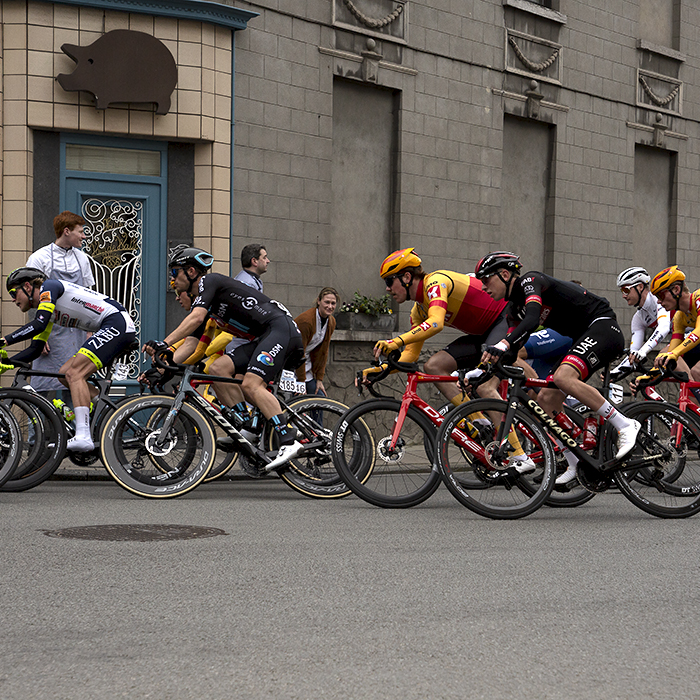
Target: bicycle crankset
<point>593,480</point>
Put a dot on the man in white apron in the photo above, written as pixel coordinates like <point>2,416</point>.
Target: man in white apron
<point>64,261</point>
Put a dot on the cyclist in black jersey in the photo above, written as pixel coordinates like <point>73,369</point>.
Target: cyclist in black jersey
<point>274,344</point>
<point>540,300</point>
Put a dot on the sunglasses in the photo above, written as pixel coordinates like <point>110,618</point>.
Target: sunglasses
<point>388,281</point>
<point>13,292</point>
<point>175,271</point>
<point>626,290</point>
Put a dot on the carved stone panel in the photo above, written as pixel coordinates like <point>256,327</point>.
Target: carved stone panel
<point>386,18</point>
<point>531,56</point>
<point>659,92</point>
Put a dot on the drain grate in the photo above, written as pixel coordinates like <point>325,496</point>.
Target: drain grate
<point>136,533</point>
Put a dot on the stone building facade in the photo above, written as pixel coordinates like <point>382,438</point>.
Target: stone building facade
<point>565,131</point>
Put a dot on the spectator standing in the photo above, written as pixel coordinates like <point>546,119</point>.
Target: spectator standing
<point>64,261</point>
<point>316,326</point>
<point>254,262</point>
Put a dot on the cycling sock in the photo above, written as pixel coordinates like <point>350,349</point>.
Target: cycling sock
<point>610,413</point>
<point>82,421</point>
<point>284,431</point>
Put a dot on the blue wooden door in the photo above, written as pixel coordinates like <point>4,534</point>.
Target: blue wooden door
<point>126,239</point>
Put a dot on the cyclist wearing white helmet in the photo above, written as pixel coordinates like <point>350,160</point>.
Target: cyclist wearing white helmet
<point>634,285</point>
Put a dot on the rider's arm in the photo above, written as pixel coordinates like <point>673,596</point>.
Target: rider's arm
<point>51,290</point>
<point>193,320</point>
<point>663,325</point>
<point>532,287</point>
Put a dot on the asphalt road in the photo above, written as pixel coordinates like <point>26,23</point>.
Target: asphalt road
<point>312,599</point>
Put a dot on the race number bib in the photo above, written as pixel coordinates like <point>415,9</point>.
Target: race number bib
<point>288,382</point>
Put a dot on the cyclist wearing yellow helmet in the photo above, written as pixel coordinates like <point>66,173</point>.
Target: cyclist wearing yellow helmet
<point>445,298</point>
<point>670,288</point>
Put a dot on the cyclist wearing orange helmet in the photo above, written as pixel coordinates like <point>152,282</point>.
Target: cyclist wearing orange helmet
<point>441,298</point>
<point>445,298</point>
<point>670,288</point>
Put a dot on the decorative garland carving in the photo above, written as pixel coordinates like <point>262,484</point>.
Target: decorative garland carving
<point>368,21</point>
<point>658,101</point>
<point>530,65</point>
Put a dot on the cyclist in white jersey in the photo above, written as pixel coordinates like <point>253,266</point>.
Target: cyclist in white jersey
<point>72,306</point>
<point>634,285</point>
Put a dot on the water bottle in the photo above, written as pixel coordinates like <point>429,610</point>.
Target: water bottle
<point>120,371</point>
<point>590,433</point>
<point>567,424</point>
<point>64,410</point>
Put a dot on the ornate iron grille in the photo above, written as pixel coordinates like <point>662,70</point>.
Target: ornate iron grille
<point>113,242</point>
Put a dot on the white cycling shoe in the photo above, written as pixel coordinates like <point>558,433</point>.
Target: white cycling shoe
<point>523,464</point>
<point>284,454</point>
<point>626,438</point>
<point>76,444</point>
<point>568,476</point>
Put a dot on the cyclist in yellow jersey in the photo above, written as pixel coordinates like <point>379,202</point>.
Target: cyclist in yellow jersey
<point>445,298</point>
<point>670,288</point>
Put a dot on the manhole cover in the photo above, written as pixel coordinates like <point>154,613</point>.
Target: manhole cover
<point>137,533</point>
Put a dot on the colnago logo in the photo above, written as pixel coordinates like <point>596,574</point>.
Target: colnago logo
<point>552,424</point>
<point>89,305</point>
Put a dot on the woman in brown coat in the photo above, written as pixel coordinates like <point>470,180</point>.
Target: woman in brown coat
<point>316,326</point>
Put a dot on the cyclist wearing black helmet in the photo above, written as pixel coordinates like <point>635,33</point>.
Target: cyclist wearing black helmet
<point>274,343</point>
<point>538,299</point>
<point>70,305</point>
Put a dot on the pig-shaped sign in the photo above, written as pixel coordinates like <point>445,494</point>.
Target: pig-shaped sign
<point>123,66</point>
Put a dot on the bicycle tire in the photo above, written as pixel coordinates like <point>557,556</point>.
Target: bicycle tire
<point>314,475</point>
<point>402,476</point>
<point>43,437</point>
<point>506,497</point>
<point>138,465</point>
<point>660,489</point>
<point>10,445</point>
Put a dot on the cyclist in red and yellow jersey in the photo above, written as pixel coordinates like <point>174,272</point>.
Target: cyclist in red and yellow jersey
<point>445,298</point>
<point>442,298</point>
<point>670,288</point>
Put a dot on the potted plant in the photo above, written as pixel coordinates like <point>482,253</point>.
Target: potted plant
<point>366,313</point>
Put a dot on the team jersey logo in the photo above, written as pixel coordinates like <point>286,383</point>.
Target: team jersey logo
<point>434,292</point>
<point>266,359</point>
<point>45,296</point>
<point>249,303</point>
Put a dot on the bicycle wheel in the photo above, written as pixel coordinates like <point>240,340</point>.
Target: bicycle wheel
<point>314,474</point>
<point>42,438</point>
<point>131,453</point>
<point>668,485</point>
<point>10,444</point>
<point>476,478</point>
<point>397,470</point>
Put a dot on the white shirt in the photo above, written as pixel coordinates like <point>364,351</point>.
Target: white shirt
<point>69,264</point>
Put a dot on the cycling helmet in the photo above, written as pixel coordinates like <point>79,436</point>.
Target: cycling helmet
<point>18,277</point>
<point>666,278</point>
<point>632,276</point>
<point>398,261</point>
<point>184,255</point>
<point>499,260</point>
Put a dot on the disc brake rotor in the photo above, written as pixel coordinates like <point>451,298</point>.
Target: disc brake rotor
<point>160,450</point>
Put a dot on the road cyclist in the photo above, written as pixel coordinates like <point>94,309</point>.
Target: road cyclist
<point>538,299</point>
<point>444,298</point>
<point>70,305</point>
<point>650,315</point>
<point>670,288</point>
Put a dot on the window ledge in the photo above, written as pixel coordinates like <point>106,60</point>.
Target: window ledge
<point>661,50</point>
<point>535,9</point>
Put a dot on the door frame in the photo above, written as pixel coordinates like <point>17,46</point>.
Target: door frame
<point>141,187</point>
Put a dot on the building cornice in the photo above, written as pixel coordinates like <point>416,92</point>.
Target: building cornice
<point>197,10</point>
